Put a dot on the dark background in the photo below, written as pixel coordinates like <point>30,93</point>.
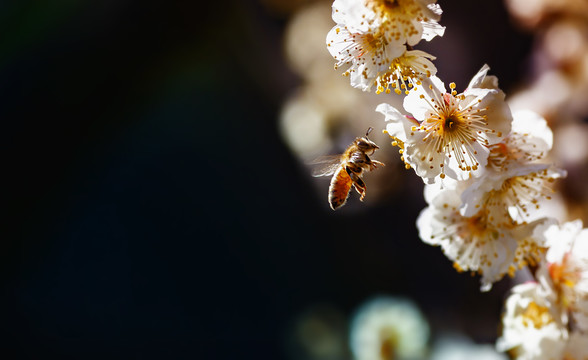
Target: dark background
<point>153,211</point>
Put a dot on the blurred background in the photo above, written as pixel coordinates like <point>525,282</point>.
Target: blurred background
<point>157,202</point>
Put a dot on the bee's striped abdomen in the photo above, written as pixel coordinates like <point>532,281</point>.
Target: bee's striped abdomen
<point>339,189</point>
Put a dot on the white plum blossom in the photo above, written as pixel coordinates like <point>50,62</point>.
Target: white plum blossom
<point>365,55</point>
<point>472,243</point>
<point>406,72</point>
<point>506,194</point>
<point>400,21</point>
<point>388,328</point>
<point>531,330</point>
<point>527,145</point>
<point>449,133</point>
<point>370,40</point>
<point>564,275</point>
<point>529,141</point>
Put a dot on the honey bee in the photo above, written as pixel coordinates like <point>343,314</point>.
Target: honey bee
<point>347,169</point>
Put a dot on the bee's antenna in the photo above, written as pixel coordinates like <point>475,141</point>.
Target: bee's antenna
<point>369,130</point>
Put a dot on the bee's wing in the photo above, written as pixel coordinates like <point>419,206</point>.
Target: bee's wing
<point>325,165</point>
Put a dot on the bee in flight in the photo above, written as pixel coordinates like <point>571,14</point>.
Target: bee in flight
<point>347,169</point>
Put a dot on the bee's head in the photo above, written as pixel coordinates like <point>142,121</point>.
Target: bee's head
<point>365,144</point>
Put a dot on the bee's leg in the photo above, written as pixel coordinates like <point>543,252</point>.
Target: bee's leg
<point>360,187</point>
<point>374,164</point>
<point>358,183</point>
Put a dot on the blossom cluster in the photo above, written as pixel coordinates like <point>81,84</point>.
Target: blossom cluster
<point>487,171</point>
<point>487,174</point>
<point>373,42</point>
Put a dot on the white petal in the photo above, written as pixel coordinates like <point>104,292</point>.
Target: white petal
<point>477,80</point>
<point>395,125</point>
<point>432,88</point>
<point>424,224</point>
<point>529,122</point>
<point>353,14</point>
<point>358,80</point>
<point>432,29</point>
<point>560,239</point>
<point>480,153</point>
<point>434,9</point>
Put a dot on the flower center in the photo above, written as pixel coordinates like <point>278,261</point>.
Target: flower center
<point>390,4</point>
<point>476,225</point>
<point>564,278</point>
<point>536,315</point>
<point>453,130</point>
<point>388,344</point>
<point>372,43</point>
<point>451,123</point>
